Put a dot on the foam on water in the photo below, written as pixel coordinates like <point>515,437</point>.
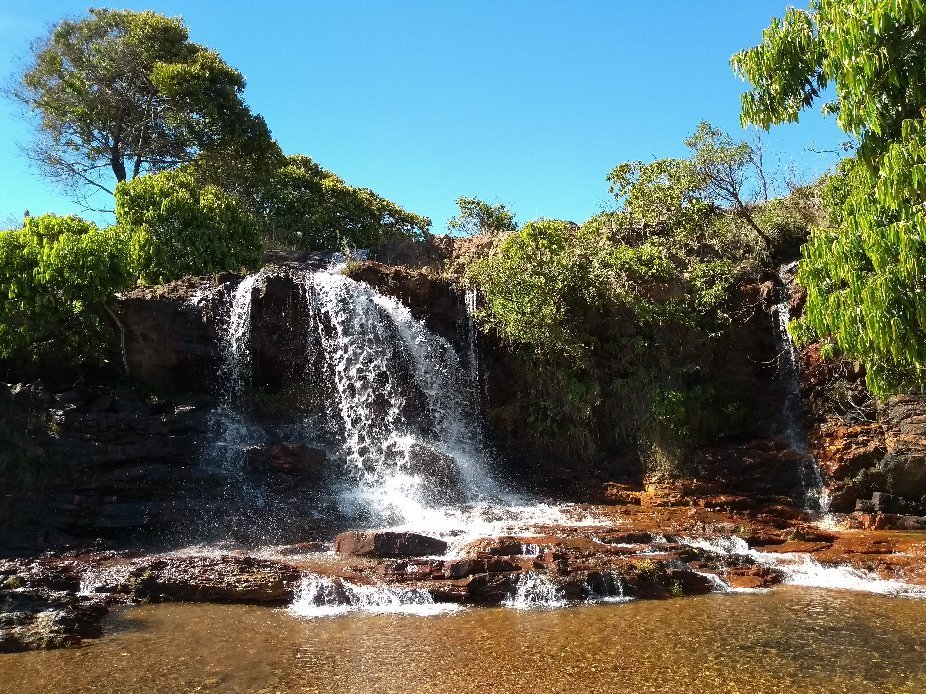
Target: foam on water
<point>96,579</point>
<point>461,525</point>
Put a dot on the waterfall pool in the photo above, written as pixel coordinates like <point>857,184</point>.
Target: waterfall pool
<point>791,639</point>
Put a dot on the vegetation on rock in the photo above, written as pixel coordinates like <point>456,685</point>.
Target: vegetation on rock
<point>626,310</point>
<point>56,276</point>
<point>306,207</point>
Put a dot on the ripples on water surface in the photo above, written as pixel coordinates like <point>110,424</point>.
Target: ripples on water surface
<point>788,640</point>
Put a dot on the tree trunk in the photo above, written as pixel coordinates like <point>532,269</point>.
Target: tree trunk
<point>121,328</point>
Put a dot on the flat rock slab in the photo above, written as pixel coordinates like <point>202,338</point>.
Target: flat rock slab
<point>384,543</point>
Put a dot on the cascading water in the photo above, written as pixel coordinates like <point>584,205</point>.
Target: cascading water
<point>801,569</point>
<point>407,435</point>
<point>320,596</point>
<point>389,400</point>
<point>816,495</point>
<point>534,591</point>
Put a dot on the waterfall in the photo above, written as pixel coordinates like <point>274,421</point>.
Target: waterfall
<point>816,494</point>
<point>408,435</point>
<point>235,369</point>
<point>472,345</point>
<point>389,400</point>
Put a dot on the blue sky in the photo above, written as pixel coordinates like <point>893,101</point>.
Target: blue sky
<point>530,103</point>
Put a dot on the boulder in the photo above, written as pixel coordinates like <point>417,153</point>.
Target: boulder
<point>443,483</point>
<point>384,543</point>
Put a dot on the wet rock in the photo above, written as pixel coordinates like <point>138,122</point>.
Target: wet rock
<point>443,482</point>
<point>170,343</point>
<point>478,588</point>
<point>289,458</point>
<point>753,577</point>
<point>40,608</point>
<point>462,568</point>
<point>214,579</point>
<point>381,543</point>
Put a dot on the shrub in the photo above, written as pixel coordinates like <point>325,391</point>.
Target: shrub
<point>309,208</point>
<point>56,275</point>
<point>178,227</point>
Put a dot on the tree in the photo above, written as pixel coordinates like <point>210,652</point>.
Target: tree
<point>678,193</point>
<point>864,271</point>
<point>122,93</point>
<point>310,208</point>
<point>478,217</point>
<point>722,168</point>
<point>178,227</point>
<point>56,276</point>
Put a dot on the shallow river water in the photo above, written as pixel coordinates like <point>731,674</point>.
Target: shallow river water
<point>792,639</point>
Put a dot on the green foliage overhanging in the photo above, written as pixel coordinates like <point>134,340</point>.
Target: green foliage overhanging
<point>306,207</point>
<point>179,227</point>
<point>864,272</point>
<point>56,276</point>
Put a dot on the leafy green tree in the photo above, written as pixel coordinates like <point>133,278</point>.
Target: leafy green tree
<point>479,217</point>
<point>178,227</point>
<point>310,208</point>
<point>680,193</point>
<point>864,271</point>
<point>122,93</point>
<point>56,276</point>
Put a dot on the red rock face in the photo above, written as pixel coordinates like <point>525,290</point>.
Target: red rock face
<point>874,453</point>
<point>843,451</point>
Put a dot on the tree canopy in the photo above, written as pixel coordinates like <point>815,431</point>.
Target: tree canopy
<point>121,93</point>
<point>307,207</point>
<point>479,217</point>
<point>864,271</point>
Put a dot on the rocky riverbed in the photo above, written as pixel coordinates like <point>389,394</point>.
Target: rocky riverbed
<point>637,550</point>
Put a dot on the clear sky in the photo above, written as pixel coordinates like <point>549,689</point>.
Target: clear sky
<point>526,102</point>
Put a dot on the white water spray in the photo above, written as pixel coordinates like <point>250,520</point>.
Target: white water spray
<point>320,596</point>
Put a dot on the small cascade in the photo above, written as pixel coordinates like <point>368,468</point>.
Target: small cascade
<point>535,591</point>
<point>320,596</point>
<point>97,579</point>
<point>801,569</point>
<point>607,587</point>
<point>816,494</point>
